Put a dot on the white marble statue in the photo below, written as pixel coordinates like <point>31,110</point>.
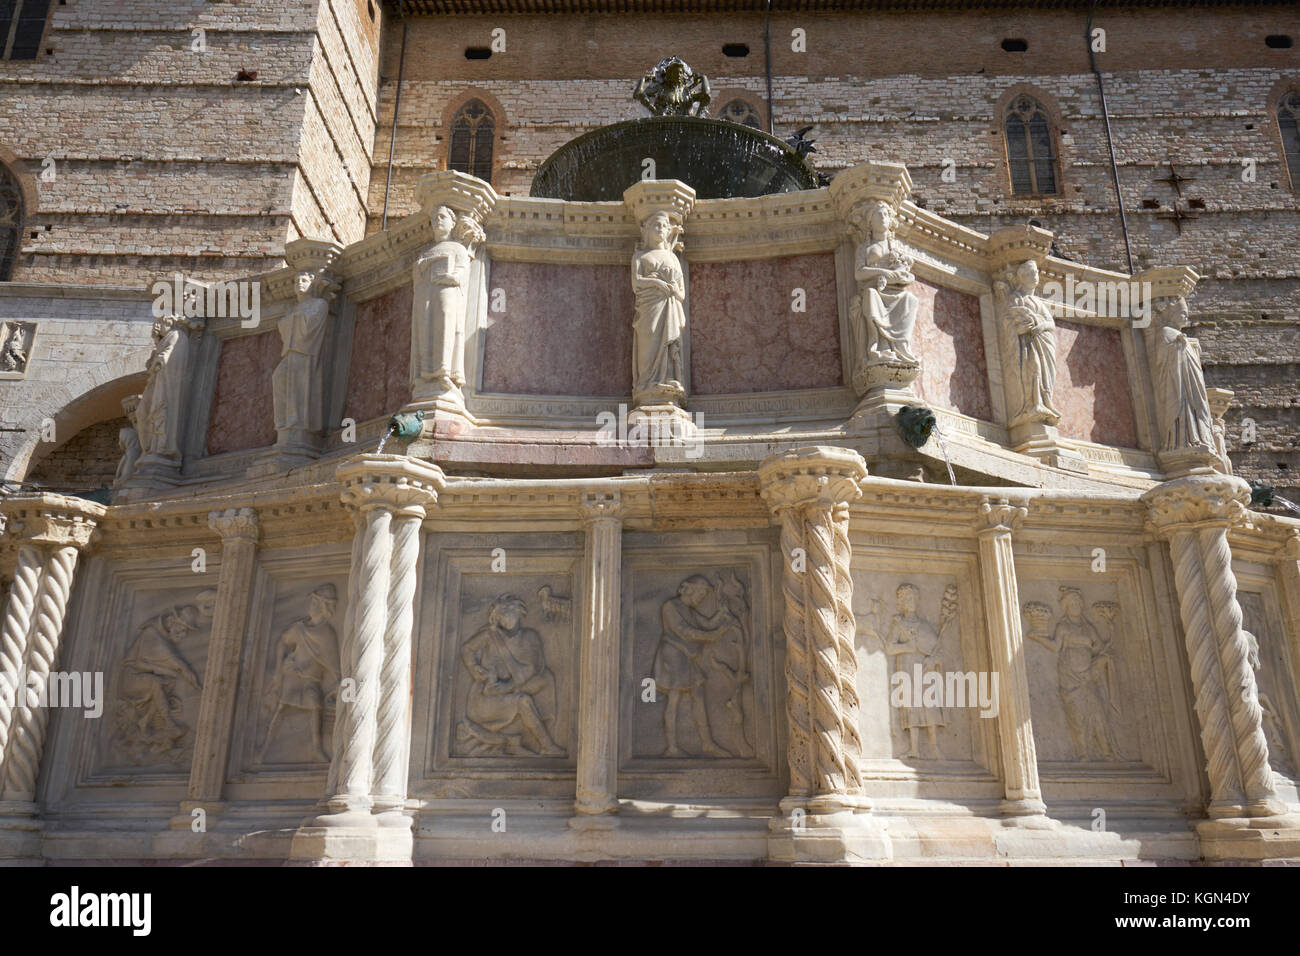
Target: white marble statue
<point>911,641</point>
<point>1184,408</point>
<point>441,282</point>
<point>884,312</point>
<point>1034,330</point>
<point>128,439</point>
<point>298,379</point>
<point>160,412</point>
<point>660,289</point>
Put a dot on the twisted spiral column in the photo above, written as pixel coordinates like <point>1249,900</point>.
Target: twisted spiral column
<point>846,651</point>
<point>393,740</point>
<point>347,649</point>
<point>798,665</point>
<point>31,716</point>
<point>808,491</point>
<point>1194,514</point>
<point>823,629</point>
<point>13,639</point>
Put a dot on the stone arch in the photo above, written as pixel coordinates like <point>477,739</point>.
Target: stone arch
<point>724,97</point>
<point>1282,88</point>
<point>17,189</point>
<point>454,106</point>
<point>1052,110</point>
<point>94,396</point>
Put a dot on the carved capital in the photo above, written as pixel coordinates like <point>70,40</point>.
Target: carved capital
<point>601,506</point>
<point>1001,515</point>
<point>649,196</point>
<point>1012,245</point>
<point>404,486</point>
<point>888,183</point>
<point>50,520</point>
<point>1289,550</point>
<point>814,476</point>
<point>234,524</point>
<point>1186,503</point>
<point>460,191</point>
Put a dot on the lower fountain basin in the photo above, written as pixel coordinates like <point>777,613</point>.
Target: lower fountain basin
<point>718,159</point>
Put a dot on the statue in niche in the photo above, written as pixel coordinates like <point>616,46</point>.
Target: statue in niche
<point>1085,672</point>
<point>1184,407</point>
<point>1031,323</point>
<point>883,313</point>
<point>660,289</point>
<point>154,676</point>
<point>17,346</point>
<point>298,379</point>
<point>128,440</point>
<point>911,641</point>
<point>159,413</point>
<point>441,282</point>
<point>703,658</point>
<point>307,673</point>
<point>511,704</point>
<point>673,89</point>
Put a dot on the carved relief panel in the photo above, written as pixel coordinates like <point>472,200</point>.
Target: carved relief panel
<point>1270,658</point>
<point>292,676</point>
<point>923,674</point>
<point>697,687</point>
<point>496,660</point>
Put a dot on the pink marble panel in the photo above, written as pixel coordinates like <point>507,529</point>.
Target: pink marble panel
<point>379,371</point>
<point>744,336</point>
<point>1092,390</point>
<point>242,412</point>
<point>949,339</point>
<point>566,330</point>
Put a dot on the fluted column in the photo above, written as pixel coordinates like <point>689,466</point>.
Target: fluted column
<point>808,491</point>
<point>1194,514</point>
<point>390,495</point>
<point>598,694</point>
<point>238,528</point>
<point>997,519</point>
<point>53,530</point>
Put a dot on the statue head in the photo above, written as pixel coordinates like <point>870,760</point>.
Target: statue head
<point>908,597</point>
<point>323,602</point>
<point>179,621</point>
<point>507,611</point>
<point>468,232</point>
<point>1026,276</point>
<point>1071,601</point>
<point>658,231</point>
<point>694,590</point>
<point>1170,311</point>
<point>206,603</point>
<point>444,221</point>
<point>675,73</point>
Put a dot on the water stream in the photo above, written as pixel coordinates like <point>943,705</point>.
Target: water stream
<point>387,435</point>
<point>943,447</point>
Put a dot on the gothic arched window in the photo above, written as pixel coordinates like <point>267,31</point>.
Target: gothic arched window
<point>741,112</point>
<point>1288,124</point>
<point>11,221</point>
<point>472,131</point>
<point>1031,149</point>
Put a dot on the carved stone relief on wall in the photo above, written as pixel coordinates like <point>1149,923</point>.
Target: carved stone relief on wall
<point>511,696</point>
<point>1268,660</point>
<point>910,654</point>
<point>1081,698</point>
<point>159,680</point>
<point>15,348</point>
<point>301,680</point>
<point>693,652</point>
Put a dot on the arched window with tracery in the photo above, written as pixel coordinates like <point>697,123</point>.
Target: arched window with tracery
<point>1031,147</point>
<point>11,221</point>
<point>473,129</point>
<point>1288,124</point>
<point>742,112</point>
